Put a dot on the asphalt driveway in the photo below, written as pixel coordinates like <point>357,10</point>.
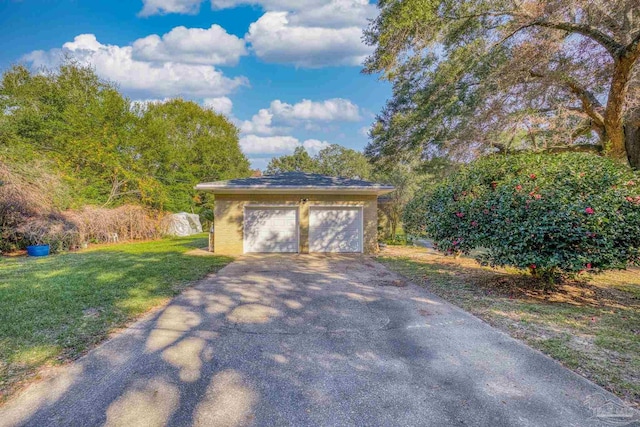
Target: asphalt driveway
<point>311,340</point>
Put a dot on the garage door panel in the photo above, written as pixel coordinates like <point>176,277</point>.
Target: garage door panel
<point>335,230</point>
<point>330,241</point>
<point>270,230</point>
<point>335,218</point>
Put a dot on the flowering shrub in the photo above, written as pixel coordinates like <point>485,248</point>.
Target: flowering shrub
<point>555,215</point>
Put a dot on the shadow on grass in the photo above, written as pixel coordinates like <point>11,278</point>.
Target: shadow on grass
<point>613,290</point>
<point>54,309</point>
<point>590,325</point>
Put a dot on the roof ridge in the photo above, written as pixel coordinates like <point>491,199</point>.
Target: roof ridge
<point>295,179</point>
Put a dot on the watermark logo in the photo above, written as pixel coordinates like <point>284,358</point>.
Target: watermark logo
<point>611,412</point>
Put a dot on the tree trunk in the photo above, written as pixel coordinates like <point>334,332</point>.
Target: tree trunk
<point>616,142</point>
<point>613,120</point>
<point>632,138</point>
<point>394,227</point>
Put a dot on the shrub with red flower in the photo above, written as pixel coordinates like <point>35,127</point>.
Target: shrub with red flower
<point>579,210</point>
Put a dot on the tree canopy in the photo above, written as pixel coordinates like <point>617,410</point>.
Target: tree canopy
<point>108,150</point>
<point>299,161</point>
<point>333,160</point>
<point>182,144</point>
<point>476,76</point>
<point>336,160</point>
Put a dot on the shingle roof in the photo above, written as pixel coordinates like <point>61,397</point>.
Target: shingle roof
<point>296,181</point>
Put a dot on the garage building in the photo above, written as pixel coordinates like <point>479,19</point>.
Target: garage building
<point>295,212</point>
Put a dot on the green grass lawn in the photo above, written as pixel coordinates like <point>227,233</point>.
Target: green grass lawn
<point>55,308</point>
<point>591,326</point>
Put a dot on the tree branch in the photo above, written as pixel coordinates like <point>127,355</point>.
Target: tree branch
<point>609,43</point>
<point>612,46</point>
<point>632,50</point>
<point>582,130</point>
<point>590,103</point>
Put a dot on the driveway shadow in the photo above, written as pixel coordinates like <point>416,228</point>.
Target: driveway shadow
<point>307,340</point>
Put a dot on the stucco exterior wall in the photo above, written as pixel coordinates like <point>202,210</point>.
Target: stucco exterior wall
<point>229,216</point>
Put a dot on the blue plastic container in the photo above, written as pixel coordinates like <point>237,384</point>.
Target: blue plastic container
<point>38,250</point>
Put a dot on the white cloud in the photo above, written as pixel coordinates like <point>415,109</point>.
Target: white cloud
<point>280,116</point>
<point>275,39</point>
<point>221,105</point>
<point>253,144</point>
<point>212,46</point>
<point>313,146</point>
<point>335,109</point>
<point>364,131</point>
<point>162,7</point>
<point>261,145</point>
<point>259,123</point>
<point>336,14</point>
<point>325,13</point>
<point>268,4</point>
<point>116,63</point>
<point>262,123</point>
<point>310,33</point>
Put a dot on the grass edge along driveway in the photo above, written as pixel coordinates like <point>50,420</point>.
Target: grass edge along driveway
<point>54,309</point>
<point>590,326</point>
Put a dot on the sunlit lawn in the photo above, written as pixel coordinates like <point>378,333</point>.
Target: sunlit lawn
<point>591,326</point>
<point>53,309</point>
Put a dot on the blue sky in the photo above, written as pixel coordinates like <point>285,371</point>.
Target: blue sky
<point>286,71</point>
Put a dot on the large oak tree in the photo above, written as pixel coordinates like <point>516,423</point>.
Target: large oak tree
<point>472,76</point>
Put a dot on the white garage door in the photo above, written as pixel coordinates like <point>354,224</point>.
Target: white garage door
<point>335,230</point>
<point>270,230</point>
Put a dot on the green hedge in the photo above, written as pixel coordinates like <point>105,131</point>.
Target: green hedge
<point>555,214</point>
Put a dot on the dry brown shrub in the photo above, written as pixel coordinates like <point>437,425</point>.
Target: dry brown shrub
<point>21,196</point>
<point>128,222</point>
<point>30,199</point>
<point>27,193</point>
<point>54,230</point>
